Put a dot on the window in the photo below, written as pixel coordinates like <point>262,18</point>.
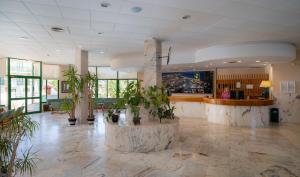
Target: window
<point>112,88</point>
<point>24,67</point>
<point>102,88</point>
<point>3,91</point>
<point>50,90</point>
<point>111,83</point>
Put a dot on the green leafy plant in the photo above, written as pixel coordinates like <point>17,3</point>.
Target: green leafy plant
<point>17,128</point>
<point>133,97</point>
<point>109,114</point>
<point>157,101</point>
<point>90,80</point>
<point>75,82</point>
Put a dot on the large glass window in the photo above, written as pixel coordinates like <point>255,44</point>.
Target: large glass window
<point>102,88</point>
<point>50,90</point>
<point>112,88</point>
<point>24,67</point>
<point>18,88</point>
<point>3,91</point>
<point>106,73</point>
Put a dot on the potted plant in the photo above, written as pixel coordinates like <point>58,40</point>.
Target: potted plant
<point>158,103</point>
<point>109,115</point>
<point>17,128</point>
<point>90,80</point>
<point>75,83</point>
<point>133,98</point>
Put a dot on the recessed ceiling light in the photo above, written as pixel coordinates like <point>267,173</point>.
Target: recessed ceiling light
<point>225,62</point>
<point>57,29</point>
<point>136,9</point>
<point>105,4</point>
<point>186,17</point>
<point>257,61</point>
<point>240,61</point>
<point>210,64</point>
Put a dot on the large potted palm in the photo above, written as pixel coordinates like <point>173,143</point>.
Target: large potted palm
<point>75,84</point>
<point>90,80</point>
<point>16,127</point>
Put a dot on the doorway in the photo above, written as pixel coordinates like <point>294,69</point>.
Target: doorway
<point>25,91</point>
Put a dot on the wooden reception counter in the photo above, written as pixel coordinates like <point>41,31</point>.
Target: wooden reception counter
<point>231,102</point>
<point>237,113</point>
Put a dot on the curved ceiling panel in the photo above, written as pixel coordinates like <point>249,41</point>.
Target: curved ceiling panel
<point>277,52</point>
<point>128,63</point>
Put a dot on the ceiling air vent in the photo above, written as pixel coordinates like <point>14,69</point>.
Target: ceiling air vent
<point>57,29</point>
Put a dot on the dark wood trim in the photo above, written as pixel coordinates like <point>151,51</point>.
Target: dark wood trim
<point>231,102</point>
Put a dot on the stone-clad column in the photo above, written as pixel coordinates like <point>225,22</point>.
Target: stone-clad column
<point>81,62</point>
<point>152,71</point>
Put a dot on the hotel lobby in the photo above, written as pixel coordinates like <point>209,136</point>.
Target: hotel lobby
<point>150,88</point>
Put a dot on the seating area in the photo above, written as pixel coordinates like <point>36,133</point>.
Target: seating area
<point>99,104</point>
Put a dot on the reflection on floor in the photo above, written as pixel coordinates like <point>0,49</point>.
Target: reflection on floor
<point>203,150</point>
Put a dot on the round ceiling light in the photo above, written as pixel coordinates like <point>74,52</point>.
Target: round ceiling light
<point>257,61</point>
<point>186,17</point>
<point>57,29</point>
<point>136,9</point>
<point>105,4</point>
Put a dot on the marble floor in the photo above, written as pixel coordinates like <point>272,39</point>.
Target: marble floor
<point>203,150</point>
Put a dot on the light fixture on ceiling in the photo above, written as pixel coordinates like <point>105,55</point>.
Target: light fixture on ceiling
<point>23,37</point>
<point>257,61</point>
<point>240,61</point>
<point>57,29</point>
<point>136,9</point>
<point>105,4</point>
<point>185,17</point>
<point>225,62</point>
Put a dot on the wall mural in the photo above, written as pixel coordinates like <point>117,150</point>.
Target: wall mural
<point>189,82</point>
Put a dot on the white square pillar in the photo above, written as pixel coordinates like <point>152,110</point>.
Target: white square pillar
<point>152,56</point>
<point>81,62</point>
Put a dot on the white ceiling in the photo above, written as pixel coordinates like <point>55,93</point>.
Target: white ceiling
<point>212,22</point>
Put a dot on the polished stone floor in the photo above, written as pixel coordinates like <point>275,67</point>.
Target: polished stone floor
<point>203,150</point>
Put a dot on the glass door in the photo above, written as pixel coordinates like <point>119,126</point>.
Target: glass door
<point>25,91</point>
<point>33,95</point>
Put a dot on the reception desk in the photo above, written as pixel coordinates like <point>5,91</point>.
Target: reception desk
<point>235,113</point>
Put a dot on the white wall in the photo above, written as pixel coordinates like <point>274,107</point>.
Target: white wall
<point>288,104</point>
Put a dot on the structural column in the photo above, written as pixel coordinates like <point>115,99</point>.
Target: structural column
<point>152,70</point>
<point>81,62</point>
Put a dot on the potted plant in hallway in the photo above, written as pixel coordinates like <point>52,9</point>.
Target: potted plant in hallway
<point>16,127</point>
<point>90,80</point>
<point>158,103</point>
<point>134,99</point>
<point>75,83</point>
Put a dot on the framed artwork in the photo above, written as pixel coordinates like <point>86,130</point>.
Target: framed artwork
<point>195,82</point>
<point>65,87</point>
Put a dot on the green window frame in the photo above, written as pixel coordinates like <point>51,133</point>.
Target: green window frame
<point>107,88</point>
